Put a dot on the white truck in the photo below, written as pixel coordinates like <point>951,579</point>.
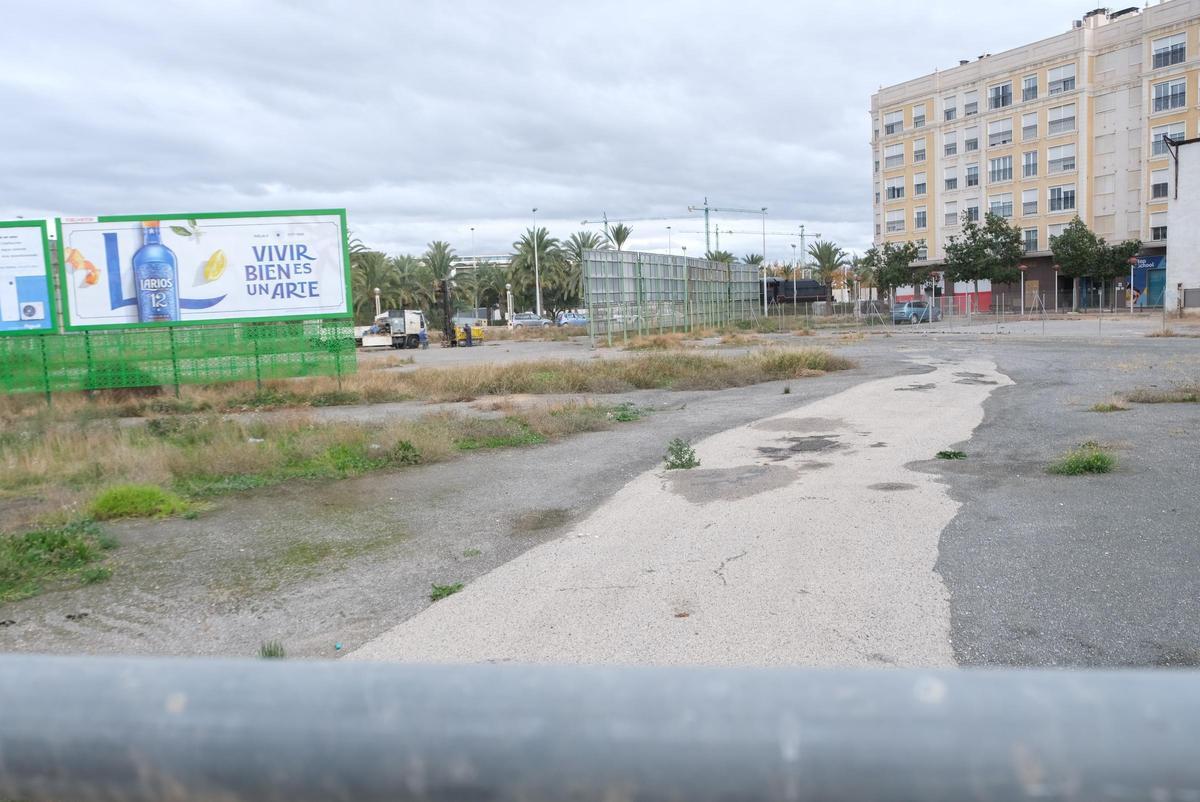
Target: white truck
<point>395,328</point>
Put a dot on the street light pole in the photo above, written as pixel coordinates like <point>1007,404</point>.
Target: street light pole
<point>1132,261</point>
<point>537,275</point>
<point>1022,268</point>
<point>668,240</point>
<point>764,260</point>
<point>474,273</point>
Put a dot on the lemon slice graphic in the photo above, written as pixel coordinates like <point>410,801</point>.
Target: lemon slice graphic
<point>215,266</point>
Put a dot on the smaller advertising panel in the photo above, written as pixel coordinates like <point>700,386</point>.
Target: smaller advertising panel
<point>150,270</point>
<point>25,288</point>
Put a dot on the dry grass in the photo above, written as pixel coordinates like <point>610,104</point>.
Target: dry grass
<point>1184,393</point>
<point>65,468</point>
<point>549,333</point>
<point>690,371</point>
<point>661,342</point>
<point>1112,405</point>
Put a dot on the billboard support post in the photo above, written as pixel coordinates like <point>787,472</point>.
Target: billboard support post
<point>45,370</point>
<point>174,359</point>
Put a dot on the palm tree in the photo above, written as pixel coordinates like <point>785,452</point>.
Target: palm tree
<point>582,241</point>
<point>415,282</point>
<point>439,256</point>
<point>720,256</point>
<point>829,260</point>
<point>549,254</point>
<point>368,270</point>
<point>753,259</point>
<point>490,284</point>
<point>618,234</point>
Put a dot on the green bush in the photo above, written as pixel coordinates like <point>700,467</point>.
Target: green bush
<point>136,501</point>
<point>30,559</point>
<point>680,455</point>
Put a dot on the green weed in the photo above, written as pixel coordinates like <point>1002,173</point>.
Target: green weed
<point>680,455</point>
<point>136,501</point>
<point>1090,457</point>
<point>28,561</point>
<point>440,592</point>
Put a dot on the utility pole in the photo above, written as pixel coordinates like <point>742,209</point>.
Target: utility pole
<point>537,276</point>
<point>764,261</point>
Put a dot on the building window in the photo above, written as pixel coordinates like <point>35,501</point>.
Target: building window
<point>1170,95</point>
<point>919,218</point>
<point>950,216</point>
<point>1061,158</point>
<point>1029,162</point>
<point>970,103</point>
<point>972,213</point>
<point>1158,146</point>
<point>949,109</point>
<point>1000,169</point>
<point>1170,50</point>
<point>1158,226</point>
<point>1061,119</point>
<point>922,251</point>
<point>877,165</point>
<point>1029,125</point>
<point>893,122</point>
<point>1029,88</point>
<point>1031,243</point>
<point>893,188</point>
<point>971,140</point>
<point>950,143</point>
<point>1001,204</point>
<point>1053,231</point>
<point>1000,132</point>
<point>877,229</point>
<point>1062,198</point>
<point>1060,79</point>
<point>893,156</point>
<point>972,175</point>
<point>919,150</point>
<point>895,221</point>
<point>1029,199</point>
<point>1159,184</point>
<point>1000,96</point>
<point>919,184</point>
<point>918,114</point>
<point>951,176</point>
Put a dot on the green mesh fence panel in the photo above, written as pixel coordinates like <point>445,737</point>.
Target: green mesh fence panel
<point>108,359</point>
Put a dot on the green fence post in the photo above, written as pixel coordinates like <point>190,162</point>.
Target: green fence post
<point>45,369</point>
<point>174,359</point>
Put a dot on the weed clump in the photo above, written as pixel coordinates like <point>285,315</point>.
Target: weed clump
<point>680,455</point>
<point>28,561</point>
<point>951,454</point>
<point>272,650</point>
<point>1090,457</point>
<point>440,592</point>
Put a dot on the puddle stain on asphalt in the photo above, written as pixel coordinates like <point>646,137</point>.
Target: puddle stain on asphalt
<point>916,387</point>
<point>705,485</point>
<point>966,377</point>
<point>889,486</point>
<point>809,444</point>
<point>798,424</point>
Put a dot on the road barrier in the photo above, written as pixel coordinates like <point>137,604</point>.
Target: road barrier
<point>158,729</point>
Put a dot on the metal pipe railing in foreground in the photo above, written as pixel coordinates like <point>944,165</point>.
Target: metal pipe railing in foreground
<point>152,729</point>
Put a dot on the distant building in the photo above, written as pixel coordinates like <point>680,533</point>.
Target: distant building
<point>1070,125</point>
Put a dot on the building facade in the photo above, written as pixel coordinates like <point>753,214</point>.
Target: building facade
<point>1070,125</point>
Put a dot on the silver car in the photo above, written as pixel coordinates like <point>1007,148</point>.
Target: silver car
<point>523,320</point>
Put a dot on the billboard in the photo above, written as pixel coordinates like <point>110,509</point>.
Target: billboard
<point>178,269</point>
<point>25,283</point>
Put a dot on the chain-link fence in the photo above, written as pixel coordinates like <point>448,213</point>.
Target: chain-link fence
<point>629,293</point>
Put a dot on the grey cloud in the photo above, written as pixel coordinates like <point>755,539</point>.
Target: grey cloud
<point>424,119</point>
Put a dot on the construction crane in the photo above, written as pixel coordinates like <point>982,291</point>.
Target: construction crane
<point>709,209</point>
<point>605,221</point>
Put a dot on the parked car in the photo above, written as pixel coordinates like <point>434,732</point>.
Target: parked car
<point>572,319</point>
<point>914,312</point>
<point>523,320</point>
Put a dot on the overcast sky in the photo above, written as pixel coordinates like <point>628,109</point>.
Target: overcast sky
<point>423,119</point>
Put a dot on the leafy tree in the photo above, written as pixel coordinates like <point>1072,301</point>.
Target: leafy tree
<point>720,256</point>
<point>1076,251</point>
<point>618,234</point>
<point>991,251</point>
<point>753,259</point>
<point>522,272</point>
<point>891,266</point>
<point>830,259</point>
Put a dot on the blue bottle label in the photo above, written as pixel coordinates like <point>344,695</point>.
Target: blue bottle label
<point>157,295</point>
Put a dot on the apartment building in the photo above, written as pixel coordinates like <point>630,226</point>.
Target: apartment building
<point>1069,125</point>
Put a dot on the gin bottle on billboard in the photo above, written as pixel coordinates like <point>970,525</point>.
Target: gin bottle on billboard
<point>155,277</point>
